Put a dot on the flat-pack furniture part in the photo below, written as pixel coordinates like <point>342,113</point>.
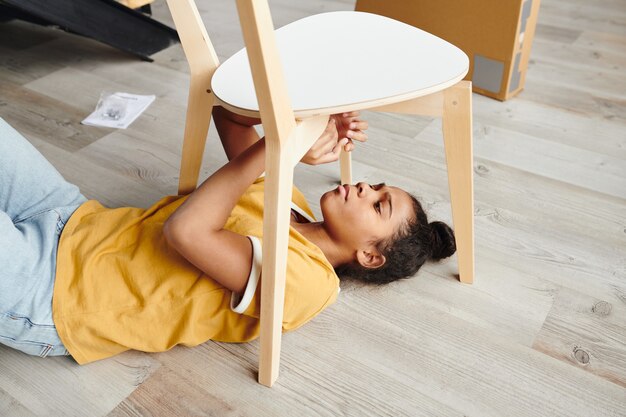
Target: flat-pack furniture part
<point>497,35</point>
<point>293,79</point>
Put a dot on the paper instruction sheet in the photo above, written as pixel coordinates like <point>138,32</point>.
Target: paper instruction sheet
<point>118,110</point>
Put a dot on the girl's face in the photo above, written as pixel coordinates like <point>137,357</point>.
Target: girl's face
<point>362,214</point>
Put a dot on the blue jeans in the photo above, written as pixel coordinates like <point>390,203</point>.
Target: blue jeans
<point>35,204</point>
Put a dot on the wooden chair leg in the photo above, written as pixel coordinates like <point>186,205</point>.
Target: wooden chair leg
<point>202,64</point>
<point>278,187</point>
<point>199,107</point>
<point>457,134</point>
<point>345,164</point>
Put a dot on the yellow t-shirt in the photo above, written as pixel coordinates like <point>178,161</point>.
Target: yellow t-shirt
<point>120,286</point>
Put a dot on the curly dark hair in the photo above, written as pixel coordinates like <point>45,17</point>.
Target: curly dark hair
<point>414,243</point>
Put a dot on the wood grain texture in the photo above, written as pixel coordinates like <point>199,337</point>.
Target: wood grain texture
<point>203,62</point>
<point>458,140</point>
<point>53,120</point>
<point>280,130</point>
<point>550,226</point>
<point>161,395</point>
<point>44,391</point>
<point>587,332</point>
<point>345,167</point>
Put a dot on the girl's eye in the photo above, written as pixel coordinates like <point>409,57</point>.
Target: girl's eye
<point>377,206</point>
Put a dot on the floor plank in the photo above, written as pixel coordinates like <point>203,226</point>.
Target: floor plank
<point>587,332</point>
<point>52,120</point>
<point>58,386</point>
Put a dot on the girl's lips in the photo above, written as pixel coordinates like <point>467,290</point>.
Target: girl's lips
<point>342,191</point>
<point>347,188</point>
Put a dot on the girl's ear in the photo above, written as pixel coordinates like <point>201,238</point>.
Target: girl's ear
<point>370,259</point>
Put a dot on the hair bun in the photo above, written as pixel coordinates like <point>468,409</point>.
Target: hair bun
<point>443,243</point>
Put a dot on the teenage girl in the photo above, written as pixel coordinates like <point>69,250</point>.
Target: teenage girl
<point>80,279</point>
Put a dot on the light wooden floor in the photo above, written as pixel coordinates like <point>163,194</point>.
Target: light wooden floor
<point>541,332</point>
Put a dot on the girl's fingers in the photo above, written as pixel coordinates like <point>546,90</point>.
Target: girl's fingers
<point>329,142</point>
<point>357,135</point>
<point>330,134</point>
<point>331,156</point>
<point>349,146</point>
<point>337,148</point>
<point>358,125</point>
<point>351,114</point>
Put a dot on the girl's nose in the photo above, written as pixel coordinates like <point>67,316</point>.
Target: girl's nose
<point>363,187</point>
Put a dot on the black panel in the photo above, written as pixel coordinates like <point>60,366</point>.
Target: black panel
<point>104,20</point>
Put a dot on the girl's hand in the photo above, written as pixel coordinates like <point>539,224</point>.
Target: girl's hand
<point>327,148</point>
<point>351,127</point>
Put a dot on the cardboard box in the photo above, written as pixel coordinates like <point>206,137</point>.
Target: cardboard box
<point>495,34</point>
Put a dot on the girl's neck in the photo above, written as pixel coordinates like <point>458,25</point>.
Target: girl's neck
<point>318,235</point>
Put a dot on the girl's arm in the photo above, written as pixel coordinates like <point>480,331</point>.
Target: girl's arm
<point>196,231</point>
<point>235,131</point>
<point>237,134</point>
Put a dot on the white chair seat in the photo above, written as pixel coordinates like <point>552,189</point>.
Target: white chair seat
<point>341,61</point>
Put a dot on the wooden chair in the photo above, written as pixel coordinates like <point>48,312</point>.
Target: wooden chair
<point>331,63</point>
